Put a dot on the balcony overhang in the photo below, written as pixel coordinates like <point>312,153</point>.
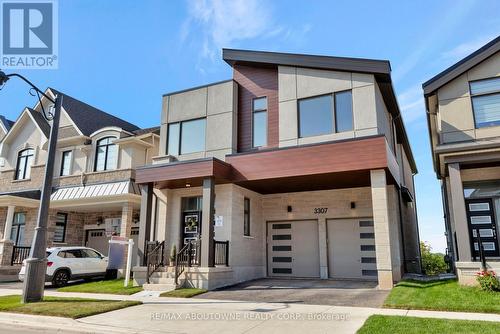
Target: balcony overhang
<point>331,165</point>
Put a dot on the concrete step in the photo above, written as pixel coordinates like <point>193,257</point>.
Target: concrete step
<point>9,270</point>
<point>159,287</point>
<point>163,274</point>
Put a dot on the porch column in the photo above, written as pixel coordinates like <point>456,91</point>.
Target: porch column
<point>145,223</point>
<point>207,221</point>
<point>457,205</point>
<point>126,221</point>
<point>381,228</point>
<point>8,222</point>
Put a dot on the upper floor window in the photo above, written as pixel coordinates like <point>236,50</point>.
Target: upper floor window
<point>66,163</point>
<point>259,122</point>
<point>106,154</point>
<point>186,137</point>
<point>486,102</point>
<point>325,114</point>
<point>24,162</point>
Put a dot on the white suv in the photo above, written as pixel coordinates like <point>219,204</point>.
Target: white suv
<point>70,263</point>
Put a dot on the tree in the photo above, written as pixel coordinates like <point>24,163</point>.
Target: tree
<point>432,263</point>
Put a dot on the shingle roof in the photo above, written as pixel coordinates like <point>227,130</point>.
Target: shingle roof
<point>40,121</point>
<point>90,119</point>
<point>155,130</point>
<point>7,123</point>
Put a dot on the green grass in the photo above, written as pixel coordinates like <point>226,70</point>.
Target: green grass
<point>442,296</point>
<point>412,325</point>
<point>183,293</point>
<point>63,307</point>
<point>111,286</point>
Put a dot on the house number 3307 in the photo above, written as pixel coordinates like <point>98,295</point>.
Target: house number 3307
<point>320,210</point>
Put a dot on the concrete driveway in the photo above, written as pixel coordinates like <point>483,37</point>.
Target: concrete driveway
<point>304,291</point>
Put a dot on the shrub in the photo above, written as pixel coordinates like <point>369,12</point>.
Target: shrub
<point>173,254</point>
<point>488,280</point>
<point>432,263</point>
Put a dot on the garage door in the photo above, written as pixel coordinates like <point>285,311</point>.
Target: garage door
<point>351,249</point>
<point>293,249</point>
<point>98,240</point>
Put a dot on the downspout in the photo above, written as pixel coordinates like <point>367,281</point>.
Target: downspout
<point>416,222</point>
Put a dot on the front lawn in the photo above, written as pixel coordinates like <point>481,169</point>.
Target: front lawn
<point>442,296</point>
<point>183,293</point>
<point>110,286</point>
<point>63,307</point>
<point>412,325</point>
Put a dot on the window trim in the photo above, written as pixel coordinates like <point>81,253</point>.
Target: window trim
<point>62,162</point>
<point>105,154</point>
<point>472,96</point>
<point>19,156</point>
<point>246,213</point>
<point>65,226</point>
<point>256,111</point>
<point>179,149</point>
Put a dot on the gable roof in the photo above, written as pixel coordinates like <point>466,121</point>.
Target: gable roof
<point>381,69</point>
<point>7,124</point>
<point>40,121</point>
<point>90,119</point>
<point>461,67</point>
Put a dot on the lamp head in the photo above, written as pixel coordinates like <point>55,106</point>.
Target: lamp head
<point>3,78</point>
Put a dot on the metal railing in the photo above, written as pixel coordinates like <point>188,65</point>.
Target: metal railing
<point>482,256</point>
<point>188,256</point>
<point>221,253</point>
<point>19,254</point>
<point>155,257</point>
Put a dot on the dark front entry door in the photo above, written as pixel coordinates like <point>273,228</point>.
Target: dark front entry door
<point>191,226</point>
<point>481,217</point>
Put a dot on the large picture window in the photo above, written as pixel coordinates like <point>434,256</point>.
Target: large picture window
<point>325,114</point>
<point>486,102</point>
<point>186,137</point>
<point>24,162</point>
<point>60,230</point>
<point>106,154</point>
<point>259,122</point>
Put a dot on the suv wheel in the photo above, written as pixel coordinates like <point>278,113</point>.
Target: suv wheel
<point>60,278</point>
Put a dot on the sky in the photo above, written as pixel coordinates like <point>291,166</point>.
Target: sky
<point>121,55</point>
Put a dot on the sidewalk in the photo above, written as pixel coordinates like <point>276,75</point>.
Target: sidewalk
<point>179,315</point>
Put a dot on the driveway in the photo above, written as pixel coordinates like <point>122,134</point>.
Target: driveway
<point>304,291</point>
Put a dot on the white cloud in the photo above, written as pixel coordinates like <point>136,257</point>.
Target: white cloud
<point>465,49</point>
<point>412,105</point>
<point>220,23</point>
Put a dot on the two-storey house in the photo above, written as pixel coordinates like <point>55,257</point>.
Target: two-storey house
<point>463,114</point>
<point>297,166</point>
<point>94,193</point>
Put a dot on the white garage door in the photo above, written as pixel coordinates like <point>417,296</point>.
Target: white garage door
<point>98,240</point>
<point>351,249</point>
<point>293,249</point>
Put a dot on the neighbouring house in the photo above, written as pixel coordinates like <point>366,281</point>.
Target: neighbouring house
<point>298,166</point>
<point>94,194</point>
<point>463,115</point>
<point>5,126</point>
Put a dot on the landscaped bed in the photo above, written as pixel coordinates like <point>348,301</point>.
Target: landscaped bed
<point>412,325</point>
<point>183,293</point>
<point>110,286</point>
<point>63,307</point>
<point>443,296</point>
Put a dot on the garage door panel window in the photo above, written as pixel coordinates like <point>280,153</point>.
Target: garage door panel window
<point>367,272</point>
<point>367,248</point>
<point>282,248</point>
<point>282,270</point>
<point>282,259</point>
<point>282,237</point>
<point>281,226</point>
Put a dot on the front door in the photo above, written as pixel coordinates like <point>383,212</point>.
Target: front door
<point>481,217</point>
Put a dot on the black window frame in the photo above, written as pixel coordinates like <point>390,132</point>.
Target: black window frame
<point>258,111</point>
<point>63,160</point>
<point>333,110</point>
<point>246,217</point>
<point>472,96</point>
<point>97,146</point>
<point>65,225</point>
<point>181,123</point>
<point>25,161</point>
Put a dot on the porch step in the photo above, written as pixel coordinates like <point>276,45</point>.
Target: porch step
<point>163,274</point>
<point>159,287</point>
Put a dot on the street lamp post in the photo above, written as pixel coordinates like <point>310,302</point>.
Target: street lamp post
<point>36,264</point>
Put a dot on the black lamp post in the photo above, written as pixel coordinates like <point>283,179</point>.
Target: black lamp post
<point>36,264</point>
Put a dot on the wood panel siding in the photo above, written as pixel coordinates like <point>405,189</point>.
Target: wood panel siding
<point>256,82</point>
<point>333,157</point>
